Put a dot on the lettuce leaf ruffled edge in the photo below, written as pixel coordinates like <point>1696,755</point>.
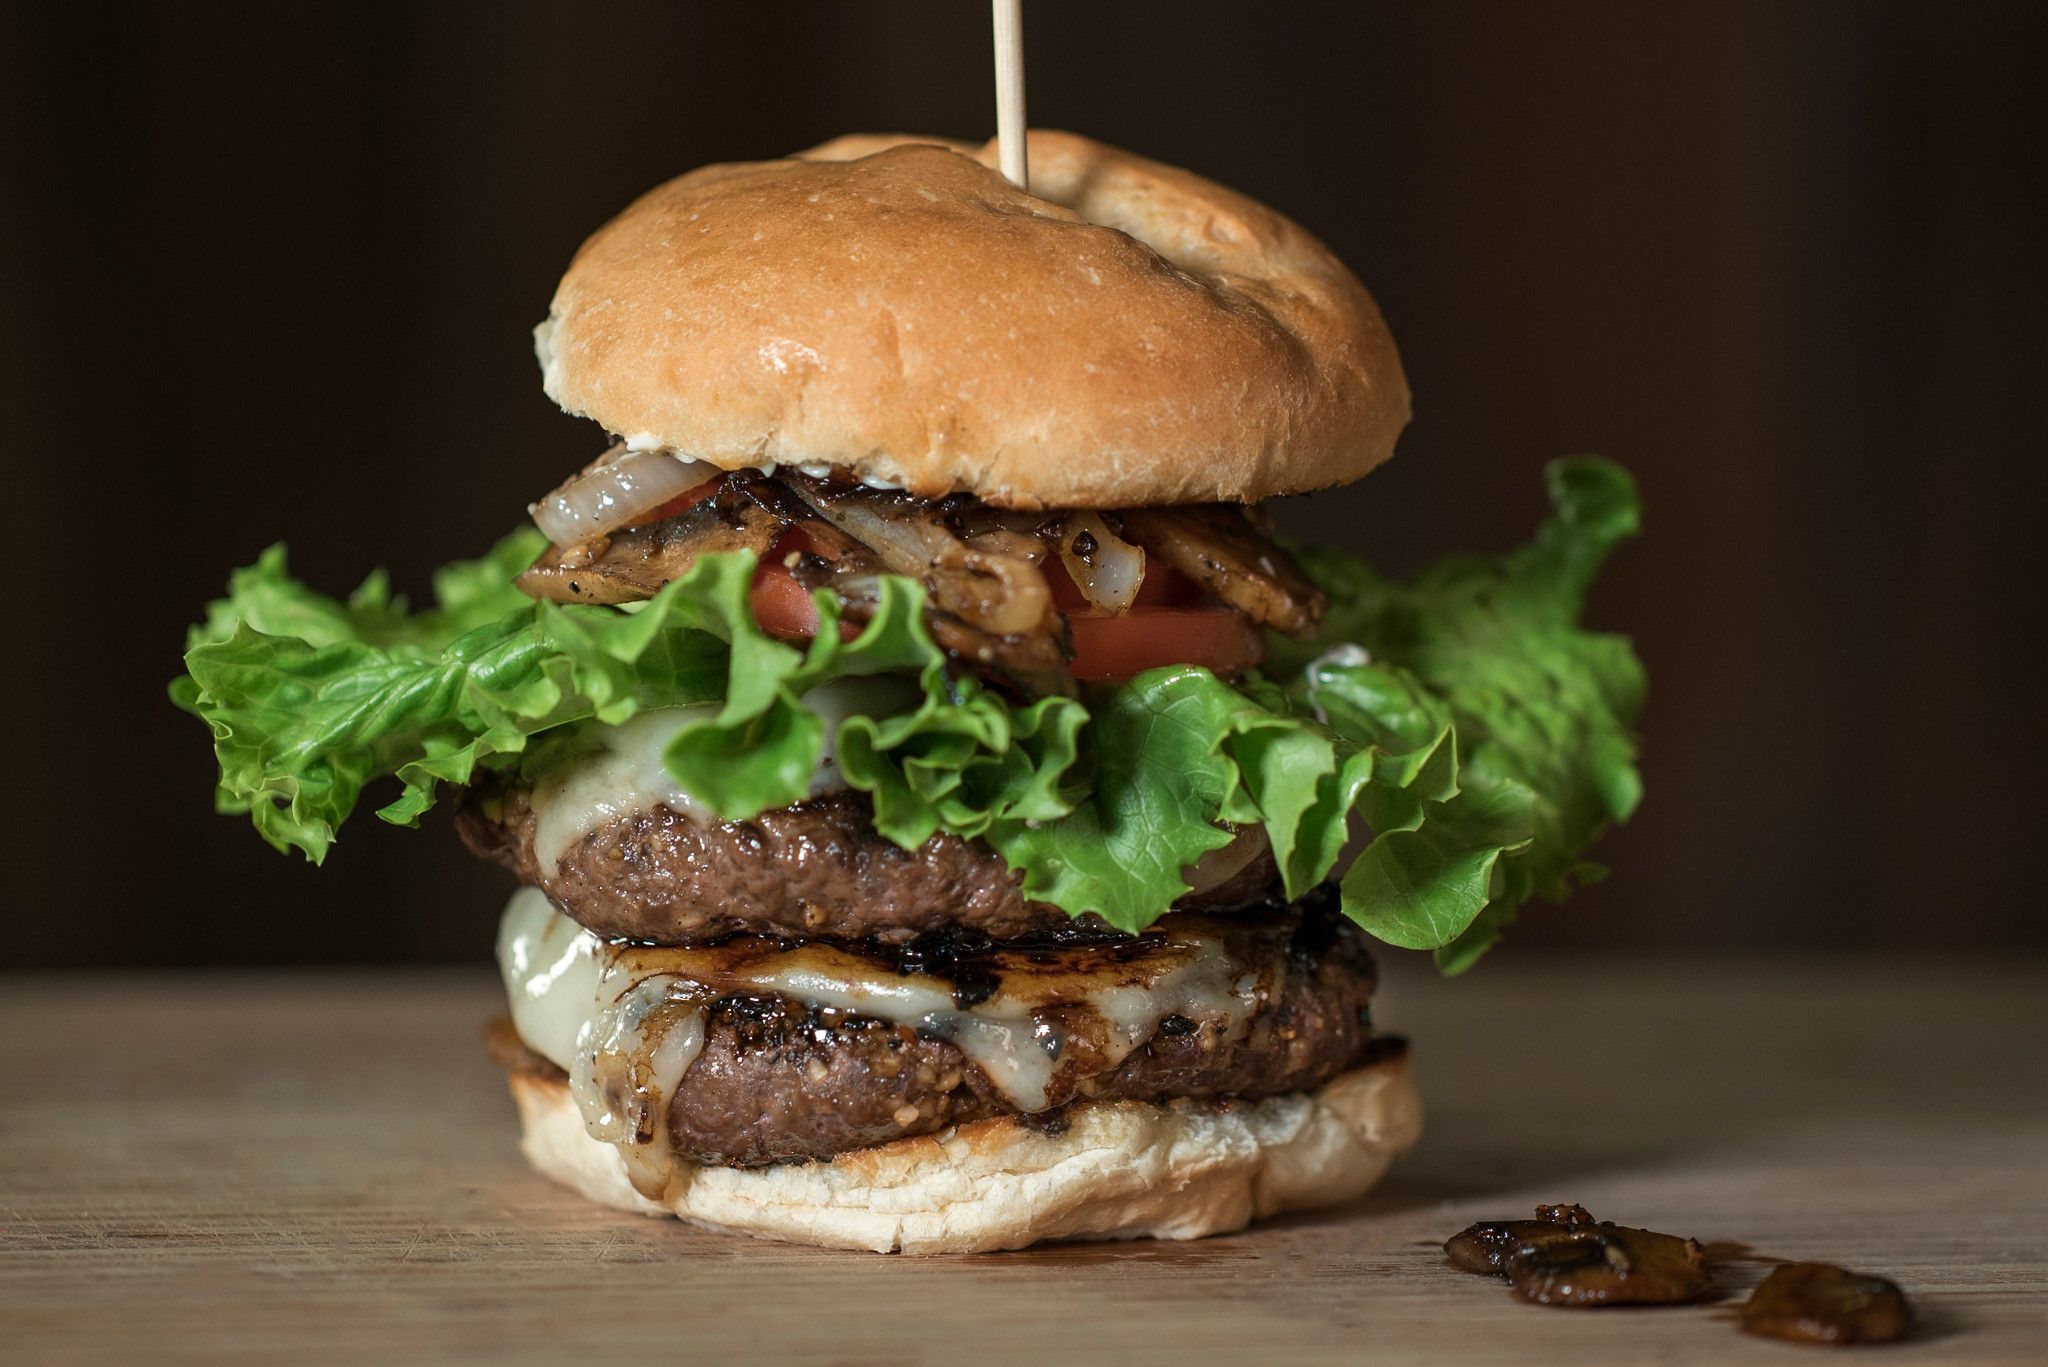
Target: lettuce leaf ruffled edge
<point>1481,737</point>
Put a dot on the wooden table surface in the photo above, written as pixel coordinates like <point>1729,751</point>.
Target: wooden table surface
<point>299,1168</point>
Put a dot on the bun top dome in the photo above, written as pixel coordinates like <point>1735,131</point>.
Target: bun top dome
<point>1127,333</point>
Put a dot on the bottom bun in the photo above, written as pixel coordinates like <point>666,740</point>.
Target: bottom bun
<point>1119,1170</point>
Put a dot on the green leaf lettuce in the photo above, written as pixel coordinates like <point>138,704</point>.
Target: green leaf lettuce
<point>1466,724</point>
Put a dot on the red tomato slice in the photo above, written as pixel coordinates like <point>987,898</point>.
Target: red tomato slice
<point>782,606</point>
<point>798,540</point>
<point>1165,587</point>
<point>1066,595</point>
<point>1142,639</point>
<point>1105,647</point>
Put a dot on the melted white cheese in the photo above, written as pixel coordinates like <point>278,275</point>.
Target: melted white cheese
<point>551,972</point>
<point>624,776</point>
<point>623,1020</point>
<point>1007,1035</point>
<point>625,1038</point>
<point>626,773</point>
<point>1000,1036</point>
<point>877,695</point>
<point>646,1033</point>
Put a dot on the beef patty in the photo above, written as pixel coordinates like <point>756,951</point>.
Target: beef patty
<point>816,868</point>
<point>778,1080</point>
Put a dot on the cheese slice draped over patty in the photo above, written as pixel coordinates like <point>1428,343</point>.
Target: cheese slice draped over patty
<point>623,772</point>
<point>626,1021</point>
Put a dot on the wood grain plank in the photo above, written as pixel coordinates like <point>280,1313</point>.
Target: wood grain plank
<point>272,1167</point>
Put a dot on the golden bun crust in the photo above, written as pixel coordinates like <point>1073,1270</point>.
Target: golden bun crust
<point>1128,333</point>
<point>1121,1170</point>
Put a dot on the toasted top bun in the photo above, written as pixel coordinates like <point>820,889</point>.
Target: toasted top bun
<point>1128,333</point>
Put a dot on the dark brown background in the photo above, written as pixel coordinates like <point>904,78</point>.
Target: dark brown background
<point>269,272</point>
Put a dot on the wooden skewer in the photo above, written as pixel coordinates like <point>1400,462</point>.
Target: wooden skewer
<point>1010,148</point>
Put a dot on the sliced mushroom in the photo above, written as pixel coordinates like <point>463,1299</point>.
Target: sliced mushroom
<point>987,586</point>
<point>905,533</point>
<point>633,565</point>
<point>1035,662</point>
<point>999,541</point>
<point>1822,1303</point>
<point>1484,1247</point>
<point>1564,1257</point>
<point>1606,1264</point>
<point>989,606</point>
<point>969,518</point>
<point>839,556</point>
<point>1216,545</point>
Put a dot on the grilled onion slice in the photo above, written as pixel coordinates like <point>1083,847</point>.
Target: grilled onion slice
<point>1105,567</point>
<point>616,490</point>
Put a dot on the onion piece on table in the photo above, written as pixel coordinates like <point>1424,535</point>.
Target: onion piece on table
<point>615,491</point>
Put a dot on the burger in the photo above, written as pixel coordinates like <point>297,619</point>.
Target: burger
<point>947,814</point>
